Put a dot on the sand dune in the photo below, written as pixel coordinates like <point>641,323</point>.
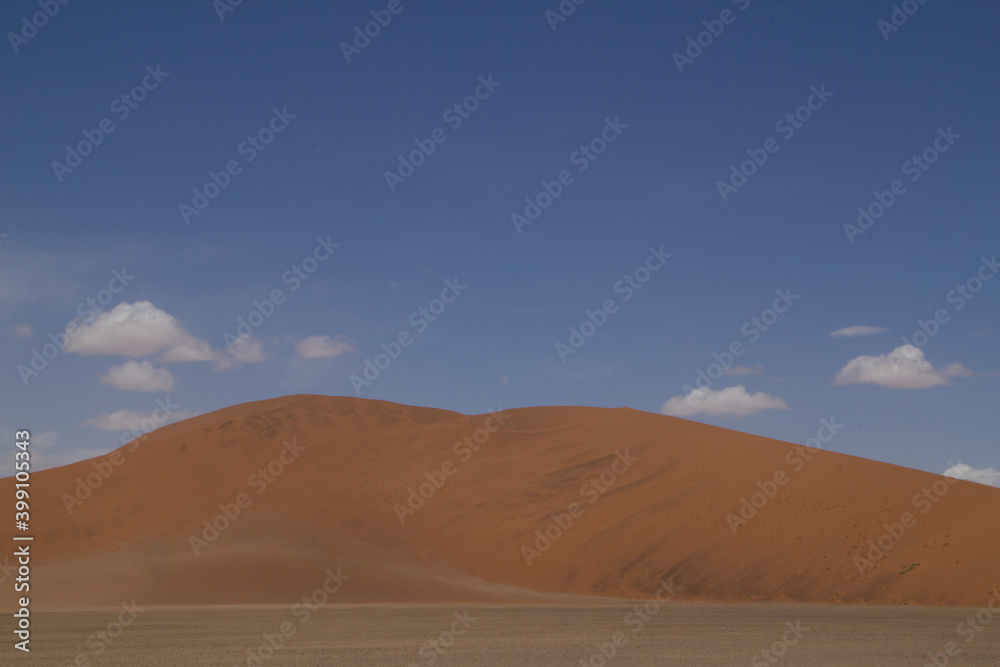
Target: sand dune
<point>322,483</point>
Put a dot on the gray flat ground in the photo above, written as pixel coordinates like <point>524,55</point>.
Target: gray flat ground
<point>381,634</point>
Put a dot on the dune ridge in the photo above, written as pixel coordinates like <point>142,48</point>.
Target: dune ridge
<point>620,500</point>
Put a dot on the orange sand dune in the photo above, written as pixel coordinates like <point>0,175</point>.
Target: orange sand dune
<point>664,502</point>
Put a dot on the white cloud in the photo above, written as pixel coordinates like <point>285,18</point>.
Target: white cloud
<point>192,350</point>
<point>248,350</point>
<point>728,402</point>
<point>139,376</point>
<point>42,460</point>
<point>21,330</point>
<point>44,455</point>
<point>316,347</point>
<point>743,370</point>
<point>41,439</point>
<point>127,420</point>
<point>987,476</point>
<point>44,439</point>
<point>137,330</point>
<point>859,330</point>
<point>903,368</point>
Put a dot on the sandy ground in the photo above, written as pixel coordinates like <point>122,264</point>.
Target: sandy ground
<point>387,634</point>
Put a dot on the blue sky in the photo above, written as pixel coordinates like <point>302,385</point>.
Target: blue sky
<point>271,82</point>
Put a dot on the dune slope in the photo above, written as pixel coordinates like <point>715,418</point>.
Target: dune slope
<point>533,501</point>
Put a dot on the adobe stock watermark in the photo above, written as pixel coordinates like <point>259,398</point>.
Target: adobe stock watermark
<point>959,296</point>
<point>581,158</point>
<point>753,329</point>
<point>796,459</point>
<point>86,312</point>
<point>249,149</point>
<point>294,276</point>
<point>139,432</point>
<point>970,628</point>
<point>161,415</point>
<point>786,126</point>
<point>454,115</point>
<point>562,12</point>
<point>914,168</point>
<point>310,604</point>
<point>122,106</point>
<point>420,320</point>
<point>104,638</point>
<point>259,481</point>
<point>635,620</point>
<point>30,27</point>
<point>900,14</point>
<point>104,468</point>
<point>713,30</point>
<point>223,7</point>
<point>432,649</point>
<point>594,490</point>
<point>629,284</point>
<point>924,501</point>
<point>779,649</point>
<point>465,449</point>
<point>303,611</point>
<point>381,18</point>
